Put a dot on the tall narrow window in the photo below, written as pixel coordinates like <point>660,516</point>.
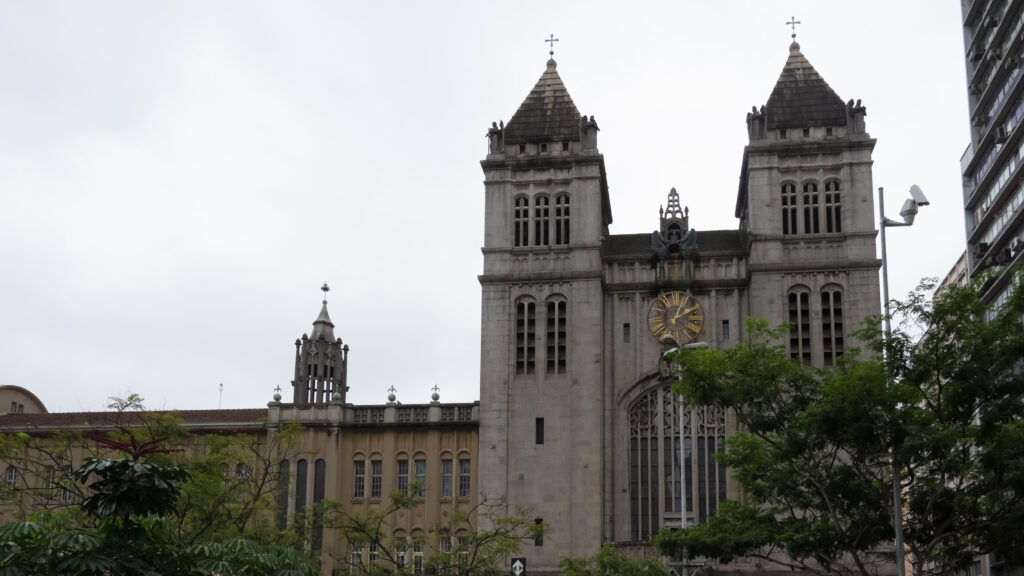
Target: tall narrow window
<point>526,335</point>
<point>542,224</point>
<point>562,219</point>
<point>788,209</point>
<point>283,472</point>
<point>811,208</point>
<point>12,477</point>
<point>66,495</point>
<point>421,477</point>
<point>446,478</point>
<point>521,222</point>
<point>800,330</point>
<point>356,558</point>
<point>300,486</point>
<point>403,476</point>
<point>417,557</point>
<point>833,218</point>
<point>376,474</point>
<point>539,431</point>
<point>538,539</point>
<point>832,324</point>
<point>556,336</point>
<point>464,477</point>
<point>400,549</point>
<point>725,329</point>
<point>359,479</point>
<point>625,333</point>
<point>319,480</point>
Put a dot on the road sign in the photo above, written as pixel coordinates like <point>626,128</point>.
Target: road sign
<point>518,566</point>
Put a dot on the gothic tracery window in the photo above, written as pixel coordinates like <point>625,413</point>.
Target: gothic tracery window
<point>810,201</point>
<point>788,209</point>
<point>833,220</point>
<point>526,335</point>
<point>800,325</point>
<point>832,324</point>
<point>556,334</point>
<point>542,222</point>
<point>521,222</point>
<point>672,473</point>
<point>562,219</point>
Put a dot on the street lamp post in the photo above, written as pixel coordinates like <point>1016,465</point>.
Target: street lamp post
<point>908,212</point>
<point>676,347</point>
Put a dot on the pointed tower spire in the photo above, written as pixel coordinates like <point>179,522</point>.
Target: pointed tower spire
<point>801,97</point>
<point>548,113</point>
<point>321,361</point>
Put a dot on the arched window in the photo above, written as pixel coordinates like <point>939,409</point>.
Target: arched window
<point>465,477</point>
<point>319,479</point>
<point>526,335</point>
<point>521,222</point>
<point>800,320</point>
<point>12,477</point>
<point>832,323</point>
<point>359,478</point>
<point>541,221</point>
<point>833,219</point>
<point>376,476</point>
<point>788,209</point>
<point>671,473</point>
<point>300,485</point>
<point>402,468</point>
<point>811,208</point>
<point>401,545</point>
<point>417,553</point>
<point>446,476</point>
<point>283,472</point>
<point>562,219</point>
<point>556,335</point>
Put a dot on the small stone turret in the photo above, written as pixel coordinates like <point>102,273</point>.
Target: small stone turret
<point>321,362</point>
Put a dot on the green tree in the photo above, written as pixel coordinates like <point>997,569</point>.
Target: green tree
<point>130,525</point>
<point>459,546</point>
<point>609,562</point>
<point>814,455</point>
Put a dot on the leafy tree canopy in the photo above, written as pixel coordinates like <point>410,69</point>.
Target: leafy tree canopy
<point>814,455</point>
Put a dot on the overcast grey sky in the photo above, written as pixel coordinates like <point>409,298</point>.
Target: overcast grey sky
<point>177,179</point>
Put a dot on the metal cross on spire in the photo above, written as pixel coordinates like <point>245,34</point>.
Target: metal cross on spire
<point>552,41</point>
<point>792,23</point>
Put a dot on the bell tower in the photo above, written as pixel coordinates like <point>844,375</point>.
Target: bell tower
<point>542,349</point>
<point>321,362</point>
<point>806,201</point>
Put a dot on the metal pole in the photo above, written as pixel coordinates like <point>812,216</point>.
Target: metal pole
<point>897,500</point>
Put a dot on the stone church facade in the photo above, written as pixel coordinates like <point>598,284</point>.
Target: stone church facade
<point>577,421</point>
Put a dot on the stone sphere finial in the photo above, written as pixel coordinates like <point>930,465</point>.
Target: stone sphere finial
<point>336,397</point>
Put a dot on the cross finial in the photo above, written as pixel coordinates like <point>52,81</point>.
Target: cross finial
<point>435,388</point>
<point>277,388</point>
<point>391,390</point>
<point>552,41</point>
<point>325,289</point>
<point>792,24</point>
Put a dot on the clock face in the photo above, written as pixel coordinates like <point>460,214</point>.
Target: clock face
<point>676,313</point>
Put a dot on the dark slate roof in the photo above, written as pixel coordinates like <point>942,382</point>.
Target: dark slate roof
<point>801,98</point>
<point>639,245</point>
<point>106,419</point>
<point>547,113</point>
